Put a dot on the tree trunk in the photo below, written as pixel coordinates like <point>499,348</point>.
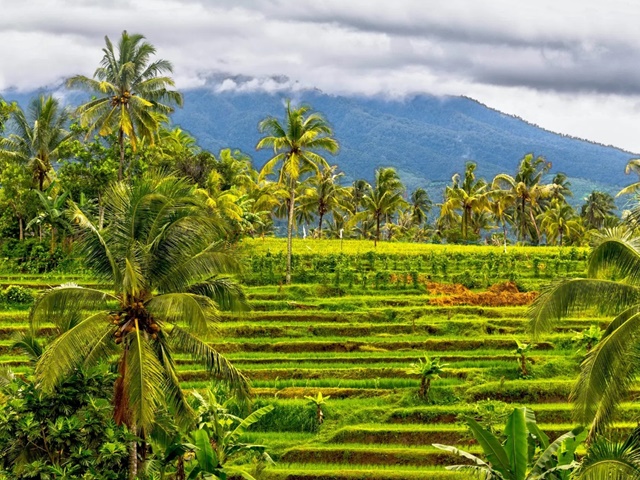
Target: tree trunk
<point>100,212</point>
<point>133,454</point>
<point>377,239</point>
<point>423,387</point>
<point>121,144</point>
<point>292,196</point>
<point>21,223</point>
<point>320,224</point>
<point>504,234</point>
<point>180,473</point>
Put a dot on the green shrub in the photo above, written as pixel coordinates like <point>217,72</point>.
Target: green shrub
<point>16,295</point>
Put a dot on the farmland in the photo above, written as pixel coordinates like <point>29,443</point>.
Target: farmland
<point>349,327</point>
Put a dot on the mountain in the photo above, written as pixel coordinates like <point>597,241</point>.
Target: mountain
<point>426,138</point>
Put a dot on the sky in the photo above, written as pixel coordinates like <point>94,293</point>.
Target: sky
<point>572,67</point>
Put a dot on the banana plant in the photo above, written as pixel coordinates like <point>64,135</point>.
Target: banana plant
<point>428,371</point>
<point>318,401</point>
<point>515,459</point>
<point>217,440</point>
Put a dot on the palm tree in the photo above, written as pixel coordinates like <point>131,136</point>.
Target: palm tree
<point>53,213</point>
<point>470,197</point>
<point>383,199</point>
<point>528,190</point>
<point>420,206</point>
<point>133,95</point>
<point>597,208</point>
<point>557,221</point>
<point>324,194</point>
<point>501,204</point>
<point>295,145</point>
<point>162,254</point>
<point>607,372</point>
<point>37,137</point>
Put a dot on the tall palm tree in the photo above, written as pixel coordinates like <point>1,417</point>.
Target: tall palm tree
<point>597,208</point>
<point>162,255</point>
<point>470,197</point>
<point>295,146</point>
<point>383,199</point>
<point>420,206</point>
<point>609,369</point>
<point>133,94</point>
<point>501,203</point>
<point>324,194</point>
<point>37,137</point>
<point>529,190</point>
<point>558,220</point>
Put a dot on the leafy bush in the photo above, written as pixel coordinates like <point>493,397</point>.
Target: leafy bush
<point>16,295</point>
<point>70,430</point>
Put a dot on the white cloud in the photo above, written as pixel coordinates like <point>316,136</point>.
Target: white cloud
<point>566,65</point>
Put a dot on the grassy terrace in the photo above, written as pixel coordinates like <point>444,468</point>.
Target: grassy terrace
<point>331,333</point>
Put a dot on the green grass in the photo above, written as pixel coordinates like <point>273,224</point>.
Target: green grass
<point>355,346</point>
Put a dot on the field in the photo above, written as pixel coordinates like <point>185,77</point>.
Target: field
<point>350,326</point>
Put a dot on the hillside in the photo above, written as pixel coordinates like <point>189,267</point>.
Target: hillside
<point>427,138</point>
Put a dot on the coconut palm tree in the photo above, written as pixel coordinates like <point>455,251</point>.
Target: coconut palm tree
<point>162,255</point>
<point>470,197</point>
<point>501,203</point>
<point>597,208</point>
<point>324,194</point>
<point>382,200</point>
<point>133,94</point>
<point>37,137</point>
<point>558,220</point>
<point>607,371</point>
<point>526,186</point>
<point>295,145</point>
<point>420,206</point>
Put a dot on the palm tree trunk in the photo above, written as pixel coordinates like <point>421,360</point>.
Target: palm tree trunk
<point>133,455</point>
<point>504,234</point>
<point>121,144</point>
<point>100,212</point>
<point>377,239</point>
<point>320,224</point>
<point>292,196</point>
<point>21,223</point>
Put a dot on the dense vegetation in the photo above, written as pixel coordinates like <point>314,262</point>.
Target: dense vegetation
<point>152,327</point>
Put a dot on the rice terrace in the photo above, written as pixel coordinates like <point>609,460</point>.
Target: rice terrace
<point>176,307</point>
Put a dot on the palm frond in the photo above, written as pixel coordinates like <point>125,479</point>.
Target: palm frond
<point>227,294</point>
<point>193,311</point>
<point>143,380</point>
<point>70,349</point>
<point>608,372</point>
<point>217,365</point>
<point>576,296</point>
<point>65,304</point>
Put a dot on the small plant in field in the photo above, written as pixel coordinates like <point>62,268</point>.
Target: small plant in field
<point>522,352</point>
<point>588,338</point>
<point>318,401</point>
<point>428,371</point>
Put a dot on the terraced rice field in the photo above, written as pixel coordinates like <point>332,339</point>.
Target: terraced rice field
<point>356,347</point>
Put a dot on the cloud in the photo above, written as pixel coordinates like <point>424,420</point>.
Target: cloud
<point>522,58</point>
